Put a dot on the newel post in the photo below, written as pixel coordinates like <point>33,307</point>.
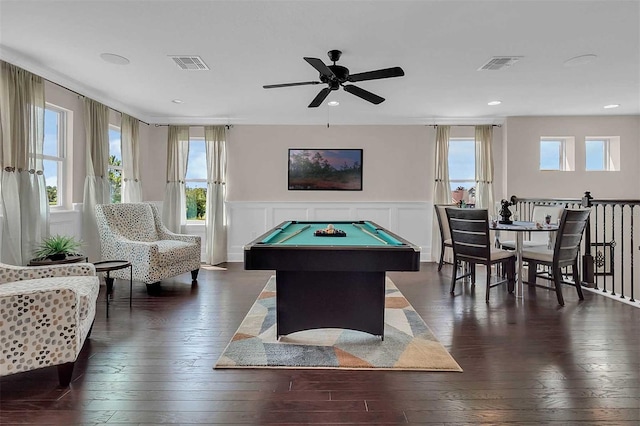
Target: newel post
<point>587,258</point>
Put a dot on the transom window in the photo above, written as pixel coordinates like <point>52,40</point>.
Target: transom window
<point>196,180</point>
<point>602,153</point>
<point>557,153</point>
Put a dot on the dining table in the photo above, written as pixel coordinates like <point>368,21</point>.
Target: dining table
<point>520,228</point>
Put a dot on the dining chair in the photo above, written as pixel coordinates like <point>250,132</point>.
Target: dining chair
<point>564,253</point>
<point>471,244</point>
<point>445,233</point>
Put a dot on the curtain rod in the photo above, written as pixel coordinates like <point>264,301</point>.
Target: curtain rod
<point>464,125</point>
<point>83,96</point>
<point>227,126</point>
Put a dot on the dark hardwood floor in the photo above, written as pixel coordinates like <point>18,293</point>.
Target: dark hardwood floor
<point>525,362</point>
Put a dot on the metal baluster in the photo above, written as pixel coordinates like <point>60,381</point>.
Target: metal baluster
<point>622,251</point>
<point>632,253</point>
<point>613,239</point>
<point>595,263</point>
<point>604,252</point>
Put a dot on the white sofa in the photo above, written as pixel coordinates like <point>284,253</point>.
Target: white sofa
<point>134,232</point>
<point>46,314</point>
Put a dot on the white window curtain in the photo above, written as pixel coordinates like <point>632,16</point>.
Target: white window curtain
<point>131,185</point>
<point>23,196</point>
<point>174,210</point>
<point>484,167</point>
<point>442,188</point>
<point>96,183</point>
<point>216,227</point>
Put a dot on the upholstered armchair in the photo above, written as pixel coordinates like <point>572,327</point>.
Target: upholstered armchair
<point>46,314</point>
<point>134,232</point>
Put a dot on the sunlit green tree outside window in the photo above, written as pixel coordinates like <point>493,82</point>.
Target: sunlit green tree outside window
<point>196,203</point>
<point>115,179</point>
<point>52,195</point>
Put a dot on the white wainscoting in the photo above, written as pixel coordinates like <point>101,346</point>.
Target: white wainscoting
<point>248,220</point>
<point>66,222</point>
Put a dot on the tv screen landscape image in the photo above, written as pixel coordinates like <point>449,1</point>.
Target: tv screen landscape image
<point>325,169</point>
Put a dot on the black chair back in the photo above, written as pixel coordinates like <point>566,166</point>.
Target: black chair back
<point>569,236</point>
<point>470,234</point>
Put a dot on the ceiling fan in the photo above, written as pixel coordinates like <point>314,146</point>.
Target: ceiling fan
<point>335,76</point>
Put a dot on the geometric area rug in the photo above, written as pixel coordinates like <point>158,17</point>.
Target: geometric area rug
<point>408,342</point>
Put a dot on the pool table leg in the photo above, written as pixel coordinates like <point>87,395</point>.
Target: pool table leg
<point>330,299</point>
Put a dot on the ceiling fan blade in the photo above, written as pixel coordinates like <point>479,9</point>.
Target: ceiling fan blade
<point>364,94</point>
<point>320,66</point>
<point>377,74</point>
<point>320,97</point>
<point>302,83</point>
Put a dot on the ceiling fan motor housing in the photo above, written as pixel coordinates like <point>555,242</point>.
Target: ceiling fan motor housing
<point>341,74</point>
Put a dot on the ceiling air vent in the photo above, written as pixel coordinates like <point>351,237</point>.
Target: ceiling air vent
<point>190,63</point>
<point>499,62</point>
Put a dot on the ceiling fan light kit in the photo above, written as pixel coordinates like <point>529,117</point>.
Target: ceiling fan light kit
<point>335,76</point>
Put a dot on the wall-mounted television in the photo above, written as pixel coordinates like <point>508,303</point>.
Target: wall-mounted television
<point>325,169</point>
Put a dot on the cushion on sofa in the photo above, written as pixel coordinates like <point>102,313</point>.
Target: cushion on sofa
<point>84,286</point>
<point>172,251</point>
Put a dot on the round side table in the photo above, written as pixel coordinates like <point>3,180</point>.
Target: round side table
<point>112,265</point>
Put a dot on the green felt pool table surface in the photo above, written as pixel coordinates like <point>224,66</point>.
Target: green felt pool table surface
<point>362,233</point>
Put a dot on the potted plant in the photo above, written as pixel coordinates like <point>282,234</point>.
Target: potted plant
<point>57,247</point>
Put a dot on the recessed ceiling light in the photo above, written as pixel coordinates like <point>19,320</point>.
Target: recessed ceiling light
<point>492,103</point>
<point>114,59</point>
<point>611,106</point>
<point>333,103</point>
<point>176,101</point>
<point>577,61</point>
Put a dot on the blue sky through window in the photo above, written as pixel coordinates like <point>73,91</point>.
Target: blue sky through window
<point>197,163</point>
<point>550,155</point>
<point>462,163</point>
<point>595,155</point>
<point>115,146</point>
<point>51,147</point>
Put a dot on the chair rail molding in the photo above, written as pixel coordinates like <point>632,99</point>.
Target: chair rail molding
<point>249,219</point>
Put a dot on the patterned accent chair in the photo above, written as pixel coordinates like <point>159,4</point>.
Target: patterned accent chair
<point>46,314</point>
<point>134,232</point>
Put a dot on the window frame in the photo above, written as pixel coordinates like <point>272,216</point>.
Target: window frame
<point>610,154</point>
<point>199,139</point>
<point>62,160</point>
<point>110,167</point>
<point>459,181</point>
<point>566,153</point>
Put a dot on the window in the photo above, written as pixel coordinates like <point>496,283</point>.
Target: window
<point>115,164</point>
<point>196,180</point>
<point>557,153</point>
<point>462,166</point>
<point>602,153</point>
<point>54,155</point>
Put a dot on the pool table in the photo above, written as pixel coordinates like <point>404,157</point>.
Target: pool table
<point>330,281</point>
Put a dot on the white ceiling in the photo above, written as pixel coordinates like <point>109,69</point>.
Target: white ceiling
<point>247,44</point>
